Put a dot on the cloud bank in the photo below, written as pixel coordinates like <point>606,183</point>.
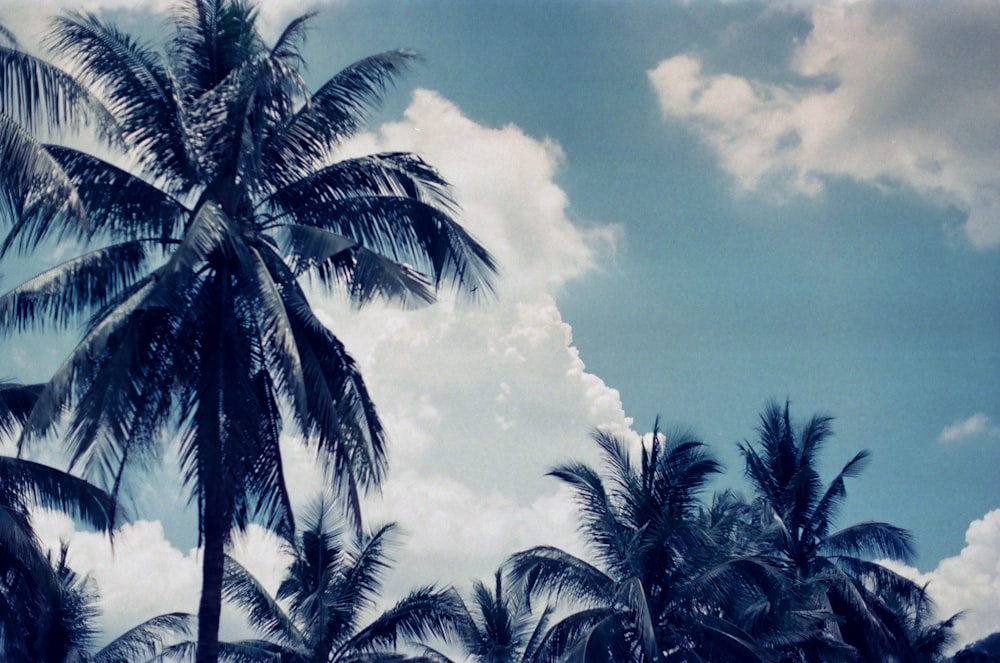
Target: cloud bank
<point>886,93</point>
<point>967,583</point>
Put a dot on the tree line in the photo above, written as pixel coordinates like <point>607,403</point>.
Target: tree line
<point>214,191</point>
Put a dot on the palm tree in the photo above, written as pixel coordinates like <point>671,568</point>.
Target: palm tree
<point>27,579</point>
<point>317,614</point>
<point>65,631</point>
<point>195,318</point>
<point>663,579</point>
<point>500,626</point>
<point>829,573</point>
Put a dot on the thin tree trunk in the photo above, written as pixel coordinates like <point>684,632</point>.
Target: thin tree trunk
<point>213,567</point>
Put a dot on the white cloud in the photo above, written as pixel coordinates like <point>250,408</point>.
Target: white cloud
<point>480,401</point>
<point>975,426</point>
<point>968,582</point>
<point>898,94</point>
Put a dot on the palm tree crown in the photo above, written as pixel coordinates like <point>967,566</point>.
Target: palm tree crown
<point>332,583</point>
<point>830,573</point>
<point>661,583</point>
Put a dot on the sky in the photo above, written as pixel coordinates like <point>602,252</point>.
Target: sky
<point>696,207</point>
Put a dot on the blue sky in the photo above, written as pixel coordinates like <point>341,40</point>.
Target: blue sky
<point>697,207</point>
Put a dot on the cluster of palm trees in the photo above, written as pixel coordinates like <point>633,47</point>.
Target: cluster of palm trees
<point>210,190</point>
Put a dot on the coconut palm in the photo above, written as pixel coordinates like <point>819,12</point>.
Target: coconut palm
<point>27,579</point>
<point>499,625</point>
<point>227,191</point>
<point>662,581</point>
<point>318,613</point>
<point>65,631</point>
<point>829,573</point>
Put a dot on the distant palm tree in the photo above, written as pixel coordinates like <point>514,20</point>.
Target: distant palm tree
<point>663,582</point>
<point>318,612</point>
<point>195,318</point>
<point>65,631</point>
<point>27,579</point>
<point>500,627</point>
<point>830,574</point>
<point>919,638</point>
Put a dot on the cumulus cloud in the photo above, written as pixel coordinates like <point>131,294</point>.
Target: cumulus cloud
<point>975,426</point>
<point>894,94</point>
<point>967,583</point>
<point>480,401</point>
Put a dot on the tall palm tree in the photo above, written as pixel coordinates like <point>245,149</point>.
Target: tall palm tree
<point>195,318</point>
<point>830,573</point>
<point>318,612</point>
<point>662,582</point>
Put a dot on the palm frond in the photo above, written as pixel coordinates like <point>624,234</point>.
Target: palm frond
<point>337,110</point>
<point>120,204</point>
<point>146,640</point>
<point>135,86</point>
<point>545,569</point>
<point>828,507</point>
<point>239,586</point>
<point>35,192</point>
<point>49,488</point>
<point>38,95</point>
<point>362,578</point>
<point>872,538</point>
<point>422,614</point>
<point>599,517</point>
<point>394,205</point>
<point>16,402</point>
<point>60,295</point>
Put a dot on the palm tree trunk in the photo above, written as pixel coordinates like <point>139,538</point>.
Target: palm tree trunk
<point>213,565</point>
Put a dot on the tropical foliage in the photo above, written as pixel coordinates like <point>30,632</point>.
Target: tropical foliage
<point>499,625</point>
<point>332,584</point>
<point>829,573</point>
<point>216,191</point>
<point>33,598</point>
<point>662,581</point>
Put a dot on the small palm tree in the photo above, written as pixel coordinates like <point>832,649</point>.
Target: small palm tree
<point>500,626</point>
<point>65,632</point>
<point>333,581</point>
<point>28,581</point>
<point>224,192</point>
<point>829,573</point>
<point>662,584</point>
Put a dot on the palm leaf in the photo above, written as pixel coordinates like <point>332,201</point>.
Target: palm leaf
<point>422,614</point>
<point>38,95</point>
<point>49,488</point>
<point>548,569</point>
<point>34,189</point>
<point>135,86</point>
<point>146,640</point>
<point>337,110</point>
<point>59,295</point>
<point>262,610</point>
<point>872,538</point>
